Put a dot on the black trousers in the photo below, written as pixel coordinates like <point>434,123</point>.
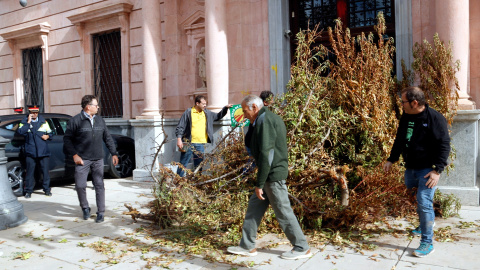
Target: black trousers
<point>31,163</point>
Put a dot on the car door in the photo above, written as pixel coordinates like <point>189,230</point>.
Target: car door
<point>57,158</point>
<point>65,165</point>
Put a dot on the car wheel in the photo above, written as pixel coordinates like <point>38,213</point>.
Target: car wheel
<point>16,176</point>
<point>125,166</point>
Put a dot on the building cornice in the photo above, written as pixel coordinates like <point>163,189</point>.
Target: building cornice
<point>101,13</point>
<point>27,32</point>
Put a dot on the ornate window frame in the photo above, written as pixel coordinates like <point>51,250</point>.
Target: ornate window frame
<point>194,27</point>
<point>100,20</point>
<point>23,38</point>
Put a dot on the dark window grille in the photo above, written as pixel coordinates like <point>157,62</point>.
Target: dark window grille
<point>107,72</point>
<point>33,77</point>
<point>360,13</point>
<point>364,12</point>
<point>313,12</point>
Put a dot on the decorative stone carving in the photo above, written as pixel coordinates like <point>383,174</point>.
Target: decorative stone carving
<point>202,67</point>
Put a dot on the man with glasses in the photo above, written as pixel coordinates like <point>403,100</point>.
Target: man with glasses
<point>36,132</point>
<point>423,141</point>
<point>196,126</point>
<point>83,141</point>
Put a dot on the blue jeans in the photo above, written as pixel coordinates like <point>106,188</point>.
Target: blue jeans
<point>426,214</point>
<point>196,150</point>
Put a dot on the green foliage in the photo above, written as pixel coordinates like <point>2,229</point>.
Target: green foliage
<point>447,205</point>
<point>436,70</point>
<point>341,118</point>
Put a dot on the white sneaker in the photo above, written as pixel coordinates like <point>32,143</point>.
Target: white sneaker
<point>293,254</point>
<point>241,251</point>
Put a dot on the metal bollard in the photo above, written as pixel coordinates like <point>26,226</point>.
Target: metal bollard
<point>11,210</point>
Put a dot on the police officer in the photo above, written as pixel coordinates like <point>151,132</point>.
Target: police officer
<point>36,132</point>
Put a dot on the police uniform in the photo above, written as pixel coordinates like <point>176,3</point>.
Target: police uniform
<point>36,151</point>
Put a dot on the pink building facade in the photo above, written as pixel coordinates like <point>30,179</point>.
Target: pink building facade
<point>147,59</point>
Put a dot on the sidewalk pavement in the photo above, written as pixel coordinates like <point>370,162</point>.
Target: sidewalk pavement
<point>56,237</point>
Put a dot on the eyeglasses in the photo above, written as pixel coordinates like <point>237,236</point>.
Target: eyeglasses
<point>34,112</point>
<point>403,101</point>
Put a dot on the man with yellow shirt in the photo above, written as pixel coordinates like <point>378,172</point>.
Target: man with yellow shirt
<point>196,127</point>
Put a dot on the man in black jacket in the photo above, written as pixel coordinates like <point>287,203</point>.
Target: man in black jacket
<point>423,140</point>
<point>36,132</point>
<point>196,126</point>
<point>83,140</point>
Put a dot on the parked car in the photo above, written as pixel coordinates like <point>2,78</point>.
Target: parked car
<point>61,168</point>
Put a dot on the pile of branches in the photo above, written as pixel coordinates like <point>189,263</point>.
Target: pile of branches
<point>341,115</point>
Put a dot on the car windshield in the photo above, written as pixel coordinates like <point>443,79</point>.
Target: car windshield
<point>13,125</point>
<point>10,125</point>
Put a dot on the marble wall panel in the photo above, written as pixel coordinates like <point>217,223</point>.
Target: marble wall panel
<point>65,66</point>
<point>136,37</point>
<point>70,109</point>
<point>6,88</point>
<point>67,81</point>
<point>4,48</point>
<point>138,91</point>
<point>6,75</point>
<point>171,82</point>
<point>136,55</point>
<point>136,74</point>
<point>474,62</point>
<point>71,96</point>
<point>137,107</point>
<point>475,33</point>
<point>11,6</point>
<point>6,61</point>
<point>234,9</point>
<point>136,18</point>
<point>63,35</point>
<point>7,102</point>
<point>234,37</point>
<point>65,50</point>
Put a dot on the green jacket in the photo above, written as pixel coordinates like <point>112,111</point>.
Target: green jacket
<point>269,147</point>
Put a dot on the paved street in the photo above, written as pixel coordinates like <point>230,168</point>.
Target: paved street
<point>56,237</point>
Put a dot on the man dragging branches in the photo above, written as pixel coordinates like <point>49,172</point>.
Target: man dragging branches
<point>269,149</point>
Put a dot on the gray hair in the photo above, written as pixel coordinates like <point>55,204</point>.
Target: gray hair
<point>252,99</point>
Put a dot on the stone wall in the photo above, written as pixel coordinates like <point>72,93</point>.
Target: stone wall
<point>462,181</point>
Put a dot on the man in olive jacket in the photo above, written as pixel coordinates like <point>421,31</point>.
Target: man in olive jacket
<point>269,149</point>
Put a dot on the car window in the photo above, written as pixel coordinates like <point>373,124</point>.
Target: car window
<point>63,124</point>
<point>13,125</point>
<point>52,126</point>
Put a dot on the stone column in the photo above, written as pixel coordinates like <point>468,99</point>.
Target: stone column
<point>452,24</point>
<point>152,57</point>
<point>216,53</point>
<point>279,45</point>
<point>148,126</point>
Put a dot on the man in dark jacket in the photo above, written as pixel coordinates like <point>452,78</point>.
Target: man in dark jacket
<point>423,141</point>
<point>269,149</point>
<point>196,127</point>
<point>83,141</point>
<point>36,132</point>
